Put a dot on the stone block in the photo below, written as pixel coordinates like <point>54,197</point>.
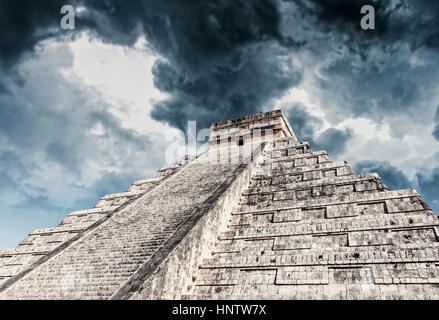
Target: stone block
<point>293,242</point>
<point>326,190</point>
<point>313,214</point>
<point>312,175</point>
<point>284,195</point>
<point>404,205</point>
<point>344,171</point>
<point>300,162</point>
<point>351,275</point>
<point>312,275</point>
<point>330,241</point>
<point>340,211</point>
<point>329,173</point>
<point>303,194</point>
<point>348,188</point>
<point>287,215</point>
<point>258,277</point>
<point>370,238</point>
<point>375,208</point>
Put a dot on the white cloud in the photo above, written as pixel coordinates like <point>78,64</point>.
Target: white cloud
<point>122,76</point>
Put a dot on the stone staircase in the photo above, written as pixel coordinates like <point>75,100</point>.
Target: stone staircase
<point>95,265</point>
<point>312,229</point>
<point>40,243</point>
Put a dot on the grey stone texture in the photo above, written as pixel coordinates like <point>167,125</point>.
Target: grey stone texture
<point>258,216</point>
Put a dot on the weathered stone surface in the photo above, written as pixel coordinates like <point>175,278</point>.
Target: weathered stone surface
<point>327,233</point>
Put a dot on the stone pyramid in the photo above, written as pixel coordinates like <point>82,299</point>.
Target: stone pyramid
<point>258,216</point>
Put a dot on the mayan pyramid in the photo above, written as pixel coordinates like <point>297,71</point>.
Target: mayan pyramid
<point>258,216</point>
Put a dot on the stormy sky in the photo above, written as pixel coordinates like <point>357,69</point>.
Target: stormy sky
<point>85,112</point>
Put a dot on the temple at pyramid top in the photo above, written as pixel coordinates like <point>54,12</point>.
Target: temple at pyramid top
<point>254,129</point>
<point>288,224</point>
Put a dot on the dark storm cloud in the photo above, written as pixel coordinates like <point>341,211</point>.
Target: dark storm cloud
<point>305,127</point>
<point>223,59</point>
<point>23,24</point>
<point>399,89</point>
<point>427,184</point>
<point>224,91</point>
<point>390,71</point>
<point>303,123</point>
<point>393,177</point>
<point>429,187</point>
<point>396,20</point>
<point>229,58</point>
<point>333,140</point>
<point>436,127</point>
